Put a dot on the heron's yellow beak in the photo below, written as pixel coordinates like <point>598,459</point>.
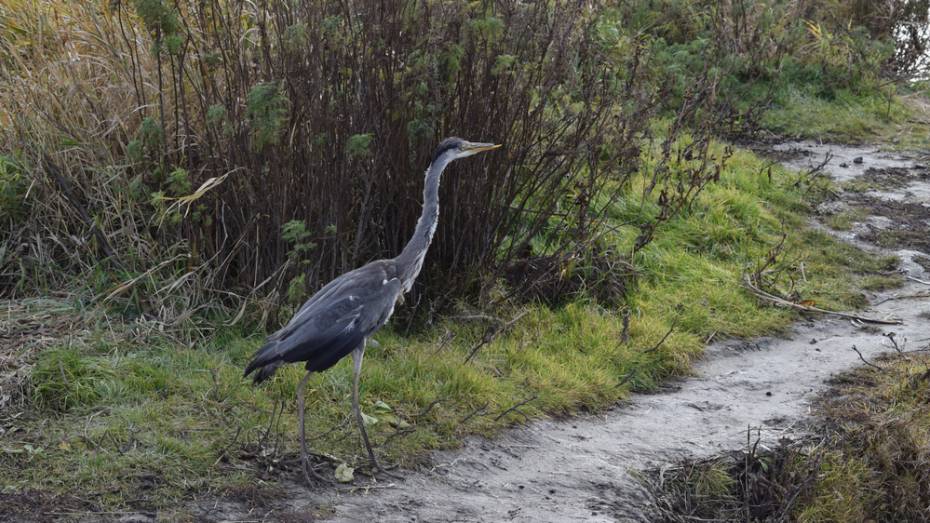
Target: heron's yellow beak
<point>482,147</point>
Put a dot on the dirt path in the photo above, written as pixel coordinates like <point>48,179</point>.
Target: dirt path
<point>584,469</point>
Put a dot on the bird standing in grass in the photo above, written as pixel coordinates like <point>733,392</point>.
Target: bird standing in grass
<point>340,317</point>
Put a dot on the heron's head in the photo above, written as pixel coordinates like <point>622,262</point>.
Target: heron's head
<point>457,148</point>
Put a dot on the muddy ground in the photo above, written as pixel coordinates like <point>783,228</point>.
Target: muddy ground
<point>589,468</point>
<point>891,192</point>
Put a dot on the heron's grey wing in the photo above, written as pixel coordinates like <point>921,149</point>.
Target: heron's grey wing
<point>327,291</point>
<point>374,272</point>
<point>333,323</point>
<point>349,332</point>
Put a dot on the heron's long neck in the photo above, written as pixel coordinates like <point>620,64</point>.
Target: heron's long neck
<point>410,260</point>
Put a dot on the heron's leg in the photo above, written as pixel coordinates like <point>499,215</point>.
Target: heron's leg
<point>357,356</point>
<point>304,455</point>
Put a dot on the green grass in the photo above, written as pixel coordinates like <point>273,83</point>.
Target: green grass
<point>846,117</point>
<point>895,116</point>
<point>694,267</point>
<point>138,420</point>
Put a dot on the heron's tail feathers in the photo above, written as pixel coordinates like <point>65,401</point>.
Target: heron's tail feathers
<point>266,361</point>
<point>266,372</point>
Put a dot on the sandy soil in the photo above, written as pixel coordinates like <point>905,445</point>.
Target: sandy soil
<point>585,469</point>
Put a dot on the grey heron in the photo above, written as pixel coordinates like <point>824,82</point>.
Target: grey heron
<point>340,317</point>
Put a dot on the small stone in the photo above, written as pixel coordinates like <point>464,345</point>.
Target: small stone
<point>857,159</point>
<point>344,473</point>
<point>768,393</point>
<point>813,341</point>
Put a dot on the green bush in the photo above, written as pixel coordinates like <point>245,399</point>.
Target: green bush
<point>266,108</point>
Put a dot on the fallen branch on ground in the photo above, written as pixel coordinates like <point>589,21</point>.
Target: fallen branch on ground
<point>807,308</point>
<point>904,297</point>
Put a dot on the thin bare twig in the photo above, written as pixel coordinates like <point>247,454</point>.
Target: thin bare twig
<point>890,336</point>
<point>667,334</point>
<point>861,357</point>
<point>900,348</point>
<point>806,308</point>
<point>515,407</point>
<point>903,297</point>
<point>397,433</point>
<point>444,340</point>
<point>274,414</point>
<point>477,412</point>
<point>772,257</point>
<point>223,453</point>
<point>626,378</point>
<point>814,171</point>
<point>426,410</point>
<point>492,333</point>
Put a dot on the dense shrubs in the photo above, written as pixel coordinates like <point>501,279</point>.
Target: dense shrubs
<point>194,138</point>
<point>326,117</point>
<point>323,117</point>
